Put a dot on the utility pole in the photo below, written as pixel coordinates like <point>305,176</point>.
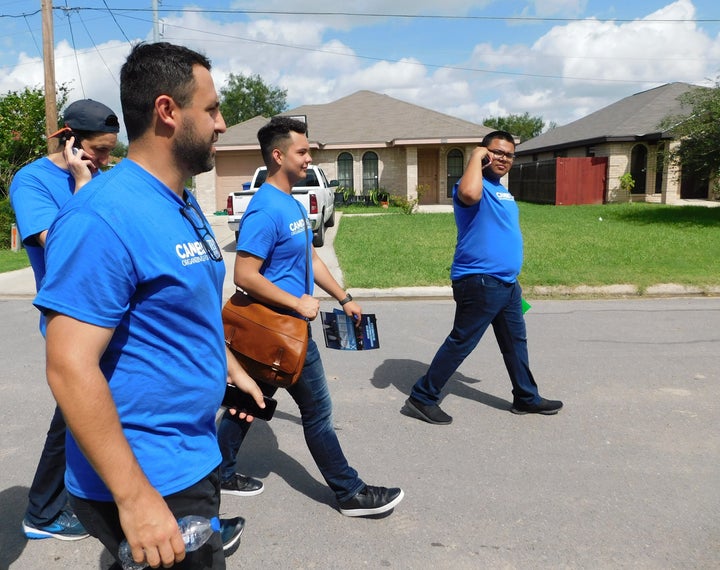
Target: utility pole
<point>156,32</point>
<point>51,119</point>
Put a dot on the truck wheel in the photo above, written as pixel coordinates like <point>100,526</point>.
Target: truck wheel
<point>319,236</point>
<point>237,235</point>
<point>331,220</point>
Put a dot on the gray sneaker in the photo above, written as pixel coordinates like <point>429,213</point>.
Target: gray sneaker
<point>65,527</point>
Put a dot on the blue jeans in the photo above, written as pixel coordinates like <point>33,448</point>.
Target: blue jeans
<point>312,396</point>
<point>482,300</point>
<point>47,496</point>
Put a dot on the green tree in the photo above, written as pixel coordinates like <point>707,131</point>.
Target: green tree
<point>699,132</point>
<point>244,97</point>
<point>120,150</point>
<point>523,126</point>
<point>22,130</point>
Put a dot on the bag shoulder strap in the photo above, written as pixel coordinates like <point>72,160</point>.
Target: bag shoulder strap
<point>308,253</point>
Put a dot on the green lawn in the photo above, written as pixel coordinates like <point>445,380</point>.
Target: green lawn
<point>10,260</point>
<point>639,244</point>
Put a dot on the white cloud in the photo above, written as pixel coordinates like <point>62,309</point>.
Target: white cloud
<point>561,74</point>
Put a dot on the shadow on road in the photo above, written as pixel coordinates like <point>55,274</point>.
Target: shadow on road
<point>403,373</point>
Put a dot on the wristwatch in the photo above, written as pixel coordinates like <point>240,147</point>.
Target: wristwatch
<point>346,300</point>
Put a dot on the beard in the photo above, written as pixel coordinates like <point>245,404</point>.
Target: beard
<point>195,154</point>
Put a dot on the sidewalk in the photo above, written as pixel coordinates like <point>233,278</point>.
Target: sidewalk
<point>21,283</point>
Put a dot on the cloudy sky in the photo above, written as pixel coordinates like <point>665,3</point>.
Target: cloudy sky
<point>474,59</point>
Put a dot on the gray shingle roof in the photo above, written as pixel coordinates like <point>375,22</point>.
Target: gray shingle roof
<point>363,118</point>
<point>636,116</point>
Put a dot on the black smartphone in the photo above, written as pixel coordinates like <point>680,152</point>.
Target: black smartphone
<point>236,398</point>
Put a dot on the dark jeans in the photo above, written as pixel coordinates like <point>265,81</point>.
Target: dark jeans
<point>312,396</point>
<point>482,300</point>
<point>101,520</point>
<point>47,496</point>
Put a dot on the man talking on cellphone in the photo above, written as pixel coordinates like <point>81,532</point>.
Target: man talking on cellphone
<point>488,259</point>
<point>37,192</point>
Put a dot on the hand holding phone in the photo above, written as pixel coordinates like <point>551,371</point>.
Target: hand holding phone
<point>244,402</point>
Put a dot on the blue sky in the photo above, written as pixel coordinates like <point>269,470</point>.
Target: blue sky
<point>474,59</point>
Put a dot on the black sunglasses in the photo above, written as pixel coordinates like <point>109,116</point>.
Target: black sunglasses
<point>197,221</point>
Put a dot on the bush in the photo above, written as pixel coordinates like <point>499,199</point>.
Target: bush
<point>7,219</point>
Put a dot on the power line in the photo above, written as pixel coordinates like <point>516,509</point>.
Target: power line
<point>75,51</point>
<point>32,35</point>
<point>116,22</point>
<point>98,51</point>
<point>407,16</point>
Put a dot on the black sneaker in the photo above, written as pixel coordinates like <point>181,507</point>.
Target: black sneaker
<point>242,486</point>
<point>545,407</point>
<point>372,501</point>
<point>231,530</point>
<point>431,414</point>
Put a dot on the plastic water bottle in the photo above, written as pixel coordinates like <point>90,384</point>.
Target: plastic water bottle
<point>195,531</point>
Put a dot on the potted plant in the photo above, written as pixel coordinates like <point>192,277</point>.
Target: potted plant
<point>627,183</point>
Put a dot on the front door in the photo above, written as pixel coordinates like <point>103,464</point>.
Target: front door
<point>428,175</point>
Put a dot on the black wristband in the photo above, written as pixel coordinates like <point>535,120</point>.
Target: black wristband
<point>346,300</point>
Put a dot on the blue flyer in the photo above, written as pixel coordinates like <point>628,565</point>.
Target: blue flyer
<point>341,333</point>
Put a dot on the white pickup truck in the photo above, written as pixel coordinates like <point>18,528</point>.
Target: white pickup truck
<point>315,193</point>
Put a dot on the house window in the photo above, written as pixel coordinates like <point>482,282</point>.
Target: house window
<point>455,168</point>
<point>638,168</point>
<point>370,171</point>
<point>659,168</point>
<point>345,170</point>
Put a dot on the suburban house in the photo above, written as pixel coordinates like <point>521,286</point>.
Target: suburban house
<point>583,161</point>
<point>364,141</point>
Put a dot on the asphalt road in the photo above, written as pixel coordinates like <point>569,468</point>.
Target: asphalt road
<point>626,476</point>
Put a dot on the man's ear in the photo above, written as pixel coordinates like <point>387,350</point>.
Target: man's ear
<point>277,155</point>
<point>166,108</point>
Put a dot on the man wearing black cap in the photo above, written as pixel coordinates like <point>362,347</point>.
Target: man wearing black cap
<point>37,193</point>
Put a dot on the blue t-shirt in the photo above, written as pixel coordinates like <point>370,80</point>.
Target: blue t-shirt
<point>37,192</point>
<point>488,235</point>
<point>121,255</point>
<point>275,228</point>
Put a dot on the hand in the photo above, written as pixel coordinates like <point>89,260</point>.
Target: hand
<point>79,164</point>
<point>483,154</point>
<point>308,306</point>
<point>151,529</point>
<point>353,309</point>
<point>241,379</point>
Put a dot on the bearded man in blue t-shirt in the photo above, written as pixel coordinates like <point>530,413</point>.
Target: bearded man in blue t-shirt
<point>136,356</point>
<point>488,259</point>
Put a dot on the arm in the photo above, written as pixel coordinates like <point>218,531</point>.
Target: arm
<point>471,184</point>
<point>81,169</point>
<point>248,277</point>
<point>74,349</point>
<point>325,280</point>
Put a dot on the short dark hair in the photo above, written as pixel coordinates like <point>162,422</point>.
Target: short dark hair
<point>277,130</point>
<point>503,135</point>
<point>151,70</point>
